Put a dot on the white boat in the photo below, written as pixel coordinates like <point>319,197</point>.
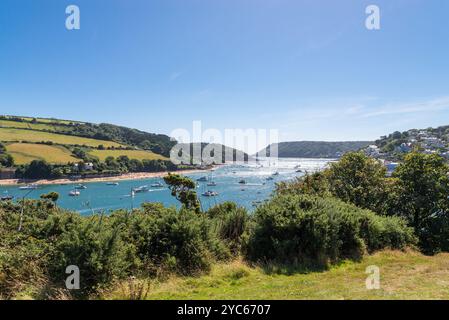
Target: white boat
<point>74,193</point>
<point>141,189</point>
<point>210,193</point>
<point>29,187</point>
<point>112,183</point>
<point>157,185</point>
<point>7,198</point>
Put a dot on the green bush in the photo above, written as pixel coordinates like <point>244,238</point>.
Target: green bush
<point>312,231</point>
<point>231,223</point>
<point>182,241</point>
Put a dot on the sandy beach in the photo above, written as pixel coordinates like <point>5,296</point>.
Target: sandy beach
<point>126,176</point>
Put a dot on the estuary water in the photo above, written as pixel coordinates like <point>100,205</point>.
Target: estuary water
<point>260,180</point>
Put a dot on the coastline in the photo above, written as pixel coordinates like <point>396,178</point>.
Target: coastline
<point>123,177</point>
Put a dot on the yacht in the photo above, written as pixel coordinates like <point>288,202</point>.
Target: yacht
<point>242,181</point>
<point>7,198</point>
<point>80,187</point>
<point>29,187</point>
<point>74,193</point>
<point>112,183</point>
<point>276,173</point>
<point>141,189</point>
<point>157,185</point>
<point>210,193</point>
<point>212,184</point>
<point>202,179</point>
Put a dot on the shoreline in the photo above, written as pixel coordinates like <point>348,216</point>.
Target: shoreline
<point>123,177</point>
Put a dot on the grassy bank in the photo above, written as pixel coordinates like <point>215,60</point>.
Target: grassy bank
<point>404,275</point>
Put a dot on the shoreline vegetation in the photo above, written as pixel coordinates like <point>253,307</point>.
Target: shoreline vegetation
<point>120,177</point>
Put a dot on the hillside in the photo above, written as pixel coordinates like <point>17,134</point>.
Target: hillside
<point>315,149</point>
<point>115,135</point>
<point>396,144</point>
<point>72,148</point>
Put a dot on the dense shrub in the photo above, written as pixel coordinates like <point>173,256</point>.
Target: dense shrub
<point>104,248</point>
<point>314,231</point>
<point>231,223</point>
<point>182,241</point>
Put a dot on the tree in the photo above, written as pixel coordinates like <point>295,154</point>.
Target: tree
<point>423,198</point>
<point>38,169</point>
<point>52,196</point>
<point>360,180</point>
<point>183,189</point>
<point>6,160</point>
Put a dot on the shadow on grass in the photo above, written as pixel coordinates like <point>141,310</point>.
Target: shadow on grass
<point>304,266</point>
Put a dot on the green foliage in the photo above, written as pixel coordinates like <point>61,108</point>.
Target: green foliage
<point>422,197</point>
<point>151,241</point>
<point>6,160</point>
<point>355,178</point>
<point>360,180</point>
<point>52,196</point>
<point>312,231</point>
<point>231,224</point>
<point>183,188</point>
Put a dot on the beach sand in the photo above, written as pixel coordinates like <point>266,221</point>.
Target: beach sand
<point>127,176</point>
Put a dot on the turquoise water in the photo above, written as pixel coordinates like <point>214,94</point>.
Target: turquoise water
<point>101,197</point>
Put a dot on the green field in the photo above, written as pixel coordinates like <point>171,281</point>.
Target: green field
<point>10,134</point>
<point>25,125</point>
<point>132,154</point>
<point>24,153</point>
<point>45,120</point>
<point>407,275</point>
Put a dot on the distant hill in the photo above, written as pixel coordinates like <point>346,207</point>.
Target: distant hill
<point>227,153</point>
<point>102,134</point>
<point>315,149</point>
<point>62,141</point>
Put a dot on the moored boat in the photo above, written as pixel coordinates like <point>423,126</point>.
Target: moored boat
<point>157,185</point>
<point>210,193</point>
<point>29,187</point>
<point>141,189</point>
<point>74,193</point>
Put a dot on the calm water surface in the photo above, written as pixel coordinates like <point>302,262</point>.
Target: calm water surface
<point>100,197</point>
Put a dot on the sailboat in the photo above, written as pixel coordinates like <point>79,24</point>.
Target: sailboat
<point>157,185</point>
<point>29,187</point>
<point>74,193</point>
<point>210,193</point>
<point>6,197</point>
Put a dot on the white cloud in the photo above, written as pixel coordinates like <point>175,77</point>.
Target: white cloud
<point>438,104</point>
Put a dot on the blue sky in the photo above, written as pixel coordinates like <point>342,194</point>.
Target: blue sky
<point>308,68</point>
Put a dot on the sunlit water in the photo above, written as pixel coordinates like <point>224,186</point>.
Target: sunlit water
<point>102,197</point>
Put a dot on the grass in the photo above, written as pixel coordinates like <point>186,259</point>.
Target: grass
<point>12,134</point>
<point>24,153</point>
<point>132,154</point>
<point>26,125</point>
<point>404,275</point>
